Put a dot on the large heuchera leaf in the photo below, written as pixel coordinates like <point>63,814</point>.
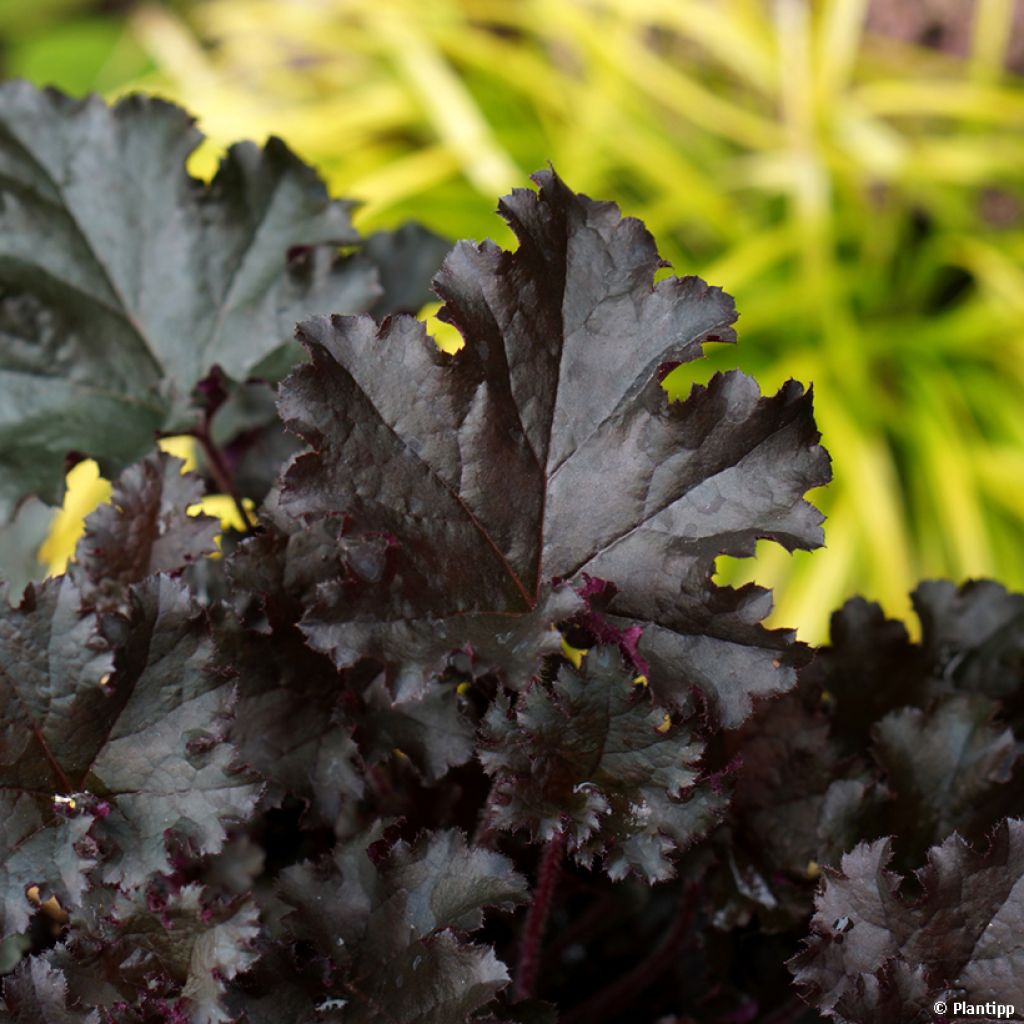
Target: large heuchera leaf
<point>878,955</point>
<point>392,927</point>
<point>546,450</point>
<point>123,280</point>
<point>104,765</point>
<point>594,759</point>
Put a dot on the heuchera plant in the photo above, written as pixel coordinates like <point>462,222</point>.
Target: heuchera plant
<point>460,728</point>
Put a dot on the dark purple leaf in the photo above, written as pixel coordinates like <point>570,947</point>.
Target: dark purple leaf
<point>103,761</point>
<point>144,530</point>
<point>164,943</point>
<point>392,926</point>
<point>591,757</point>
<point>879,953</point>
<point>949,767</point>
<point>38,994</point>
<point>546,449</point>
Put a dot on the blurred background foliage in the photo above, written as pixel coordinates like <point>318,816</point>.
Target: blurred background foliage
<point>851,170</point>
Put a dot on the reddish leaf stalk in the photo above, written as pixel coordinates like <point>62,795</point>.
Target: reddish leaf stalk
<point>537,917</point>
<point>619,994</point>
<point>221,474</point>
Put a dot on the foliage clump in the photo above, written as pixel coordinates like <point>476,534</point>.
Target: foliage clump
<point>459,727</point>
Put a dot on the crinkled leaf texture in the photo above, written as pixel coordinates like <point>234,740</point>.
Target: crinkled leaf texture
<point>941,718</point>
<point>972,642</point>
<point>165,946</point>
<point>143,530</point>
<point>297,711</point>
<point>798,799</point>
<point>882,737</point>
<point>289,725</point>
<point>38,994</point>
<point>390,928</point>
<point>103,760</point>
<point>592,757</point>
<point>878,954</point>
<point>123,281</point>
<point>545,451</point>
<point>948,767</point>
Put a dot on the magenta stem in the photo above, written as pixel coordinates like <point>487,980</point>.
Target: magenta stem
<point>537,917</point>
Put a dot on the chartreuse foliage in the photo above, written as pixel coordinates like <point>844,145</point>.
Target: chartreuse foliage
<point>342,769</point>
